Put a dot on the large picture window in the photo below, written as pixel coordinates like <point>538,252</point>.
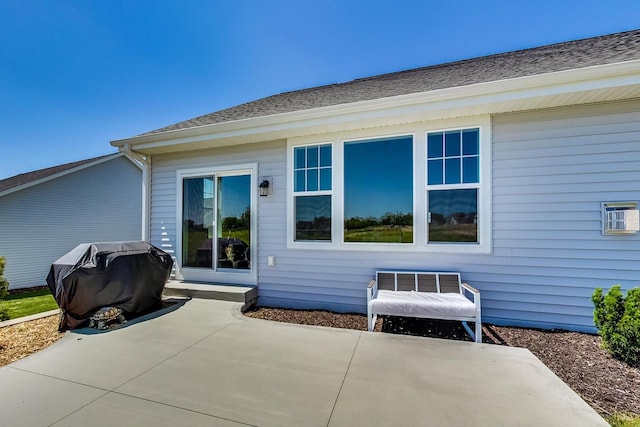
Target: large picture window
<point>312,185</point>
<point>378,190</point>
<point>453,183</point>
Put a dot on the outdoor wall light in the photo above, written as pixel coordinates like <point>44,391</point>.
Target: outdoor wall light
<point>264,188</point>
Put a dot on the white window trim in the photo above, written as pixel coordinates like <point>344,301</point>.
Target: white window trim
<point>419,132</point>
<point>291,194</point>
<point>484,192</point>
<point>209,275</point>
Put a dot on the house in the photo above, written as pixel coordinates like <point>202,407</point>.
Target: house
<point>46,213</point>
<point>510,168</point>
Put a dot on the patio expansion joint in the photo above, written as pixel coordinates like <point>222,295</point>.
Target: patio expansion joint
<point>176,407</point>
<point>82,407</point>
<point>115,390</point>
<point>172,356</point>
<point>346,372</point>
<point>106,391</point>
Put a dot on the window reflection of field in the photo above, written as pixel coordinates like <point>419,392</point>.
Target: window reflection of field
<point>453,233</point>
<point>380,234</point>
<point>238,234</point>
<point>317,229</point>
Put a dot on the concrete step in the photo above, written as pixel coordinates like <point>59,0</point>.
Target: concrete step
<point>218,291</point>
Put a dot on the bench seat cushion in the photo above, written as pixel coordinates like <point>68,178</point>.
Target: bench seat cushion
<point>421,304</point>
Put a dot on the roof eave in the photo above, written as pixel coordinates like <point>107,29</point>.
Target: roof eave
<point>495,96</point>
<point>60,174</point>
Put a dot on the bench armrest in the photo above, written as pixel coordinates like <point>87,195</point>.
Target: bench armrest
<point>476,296</point>
<point>470,288</point>
<point>372,290</point>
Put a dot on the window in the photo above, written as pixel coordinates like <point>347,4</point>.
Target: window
<point>378,190</point>
<point>312,184</point>
<point>418,187</point>
<point>453,184</point>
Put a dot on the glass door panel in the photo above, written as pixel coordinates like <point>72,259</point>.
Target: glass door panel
<point>234,222</point>
<point>198,222</point>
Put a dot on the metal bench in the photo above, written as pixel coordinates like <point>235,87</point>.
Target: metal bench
<point>432,295</point>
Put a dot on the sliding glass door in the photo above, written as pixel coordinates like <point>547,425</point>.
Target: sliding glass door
<point>198,221</point>
<point>234,222</point>
<point>216,222</point>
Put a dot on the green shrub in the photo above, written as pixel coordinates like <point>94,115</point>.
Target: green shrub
<point>618,321</point>
<point>4,289</point>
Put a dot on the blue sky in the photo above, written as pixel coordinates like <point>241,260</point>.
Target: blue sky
<point>75,75</point>
<point>378,177</point>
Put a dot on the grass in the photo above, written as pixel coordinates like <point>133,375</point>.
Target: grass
<point>238,234</point>
<point>27,303</point>
<point>620,420</point>
<point>380,234</point>
<point>453,233</point>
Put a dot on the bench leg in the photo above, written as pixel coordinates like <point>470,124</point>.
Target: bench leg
<point>371,320</point>
<point>467,328</point>
<point>475,335</point>
<point>478,331</point>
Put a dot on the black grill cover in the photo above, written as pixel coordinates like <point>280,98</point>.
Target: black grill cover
<point>127,275</point>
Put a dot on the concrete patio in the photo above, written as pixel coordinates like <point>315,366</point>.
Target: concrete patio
<point>204,364</point>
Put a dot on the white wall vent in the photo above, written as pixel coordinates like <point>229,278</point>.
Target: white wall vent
<point>620,218</point>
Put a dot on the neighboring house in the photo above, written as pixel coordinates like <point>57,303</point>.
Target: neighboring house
<point>497,167</point>
<point>46,213</point>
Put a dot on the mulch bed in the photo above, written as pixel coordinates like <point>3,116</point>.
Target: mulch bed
<point>26,290</point>
<point>608,385</point>
<point>23,339</point>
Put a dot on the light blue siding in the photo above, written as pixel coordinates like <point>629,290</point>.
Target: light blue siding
<point>41,223</point>
<point>270,158</point>
<point>551,170</point>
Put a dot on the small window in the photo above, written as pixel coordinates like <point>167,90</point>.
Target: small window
<point>312,168</point>
<point>453,185</point>
<point>312,188</point>
<point>313,218</point>
<point>453,215</point>
<point>453,157</point>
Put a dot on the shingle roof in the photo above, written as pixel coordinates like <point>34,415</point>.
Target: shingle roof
<point>29,177</point>
<point>608,49</point>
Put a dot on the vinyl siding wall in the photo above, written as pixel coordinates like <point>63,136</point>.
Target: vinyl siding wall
<point>269,156</point>
<point>39,224</point>
<point>551,171</point>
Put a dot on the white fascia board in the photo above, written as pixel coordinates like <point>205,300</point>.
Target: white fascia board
<point>63,173</point>
<point>488,93</point>
<point>138,162</point>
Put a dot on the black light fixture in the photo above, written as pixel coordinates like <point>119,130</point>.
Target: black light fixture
<point>264,188</point>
